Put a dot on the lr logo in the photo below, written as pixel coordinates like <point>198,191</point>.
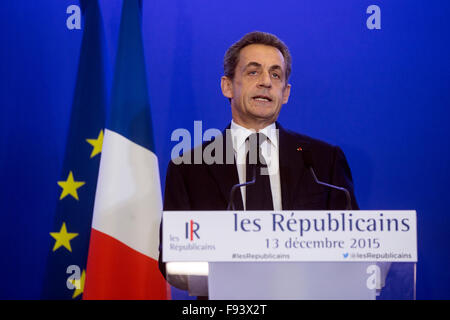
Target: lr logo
<point>191,230</point>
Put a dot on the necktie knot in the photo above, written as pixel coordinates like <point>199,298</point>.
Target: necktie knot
<point>257,138</point>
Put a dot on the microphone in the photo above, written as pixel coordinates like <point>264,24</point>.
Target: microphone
<point>237,186</point>
<point>307,159</point>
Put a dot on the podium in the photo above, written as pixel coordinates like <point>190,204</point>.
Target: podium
<point>292,255</point>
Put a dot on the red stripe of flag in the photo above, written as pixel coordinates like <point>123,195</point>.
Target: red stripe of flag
<point>129,275</point>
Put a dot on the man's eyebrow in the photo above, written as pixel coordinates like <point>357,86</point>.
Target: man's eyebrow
<point>258,65</point>
<point>252,64</point>
<point>275,67</point>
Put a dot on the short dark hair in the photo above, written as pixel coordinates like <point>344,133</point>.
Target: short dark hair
<point>231,58</point>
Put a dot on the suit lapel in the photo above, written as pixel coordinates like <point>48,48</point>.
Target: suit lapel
<point>225,174</point>
<point>291,167</point>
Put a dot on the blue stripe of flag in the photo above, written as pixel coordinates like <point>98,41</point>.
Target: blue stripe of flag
<point>130,110</point>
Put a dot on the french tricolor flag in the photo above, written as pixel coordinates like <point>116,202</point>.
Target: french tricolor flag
<point>123,250</point>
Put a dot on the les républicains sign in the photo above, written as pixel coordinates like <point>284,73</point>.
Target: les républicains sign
<point>388,236</point>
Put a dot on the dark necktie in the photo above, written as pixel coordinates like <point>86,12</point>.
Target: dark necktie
<point>258,195</point>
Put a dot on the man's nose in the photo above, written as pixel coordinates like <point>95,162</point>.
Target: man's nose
<point>264,80</point>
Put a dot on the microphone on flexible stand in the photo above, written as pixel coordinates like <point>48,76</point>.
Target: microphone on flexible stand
<point>307,159</point>
<point>237,186</point>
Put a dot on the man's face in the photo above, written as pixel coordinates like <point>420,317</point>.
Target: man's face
<point>259,87</point>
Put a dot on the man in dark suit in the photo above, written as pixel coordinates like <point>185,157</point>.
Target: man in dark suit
<point>257,69</point>
<point>207,187</point>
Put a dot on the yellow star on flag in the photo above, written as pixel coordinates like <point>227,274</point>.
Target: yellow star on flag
<point>79,285</point>
<point>63,238</point>
<point>70,186</point>
<point>97,144</point>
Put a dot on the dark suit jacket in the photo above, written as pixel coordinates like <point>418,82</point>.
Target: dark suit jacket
<point>207,187</point>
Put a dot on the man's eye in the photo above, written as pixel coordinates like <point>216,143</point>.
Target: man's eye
<point>252,73</point>
<point>276,75</point>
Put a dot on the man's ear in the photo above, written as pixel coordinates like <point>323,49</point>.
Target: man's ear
<point>227,87</point>
<point>286,93</point>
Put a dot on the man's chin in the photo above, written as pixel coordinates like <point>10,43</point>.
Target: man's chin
<point>265,117</point>
<point>264,113</point>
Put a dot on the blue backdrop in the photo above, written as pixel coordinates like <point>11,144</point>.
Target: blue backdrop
<point>383,95</point>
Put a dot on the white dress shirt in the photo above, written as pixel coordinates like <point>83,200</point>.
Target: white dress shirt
<point>269,150</point>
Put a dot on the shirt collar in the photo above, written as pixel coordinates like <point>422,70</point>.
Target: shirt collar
<point>239,134</point>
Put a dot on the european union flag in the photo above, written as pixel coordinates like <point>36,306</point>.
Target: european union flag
<point>70,236</point>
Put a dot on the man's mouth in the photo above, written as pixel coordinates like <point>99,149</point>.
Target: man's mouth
<point>262,98</point>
